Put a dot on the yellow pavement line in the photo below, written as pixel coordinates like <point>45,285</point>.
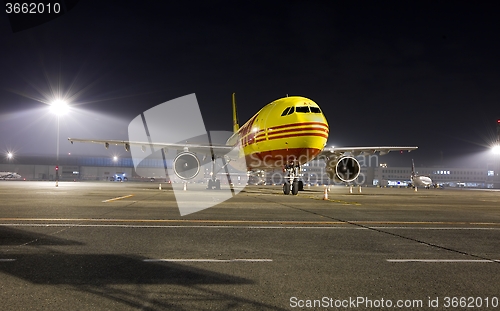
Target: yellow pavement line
<point>284,222</point>
<point>178,221</point>
<point>119,198</point>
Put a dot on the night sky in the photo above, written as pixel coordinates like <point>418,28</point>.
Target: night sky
<point>423,74</point>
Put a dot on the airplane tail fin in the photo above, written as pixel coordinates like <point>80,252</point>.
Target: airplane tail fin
<point>412,168</point>
<point>236,124</point>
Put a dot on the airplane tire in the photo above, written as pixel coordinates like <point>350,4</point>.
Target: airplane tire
<point>286,188</point>
<point>210,184</point>
<point>295,187</point>
<point>217,184</point>
<point>301,185</point>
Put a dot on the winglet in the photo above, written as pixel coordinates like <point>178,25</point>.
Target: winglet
<point>236,124</point>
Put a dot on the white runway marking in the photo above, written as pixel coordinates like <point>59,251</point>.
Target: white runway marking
<point>7,260</point>
<point>445,260</point>
<point>207,260</point>
<point>50,192</point>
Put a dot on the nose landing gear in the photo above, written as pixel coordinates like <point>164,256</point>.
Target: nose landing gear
<point>292,183</point>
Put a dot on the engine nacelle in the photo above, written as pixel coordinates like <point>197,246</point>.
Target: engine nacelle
<point>186,165</point>
<point>345,169</point>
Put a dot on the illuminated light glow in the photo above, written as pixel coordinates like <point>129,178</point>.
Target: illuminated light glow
<point>115,158</point>
<point>496,149</point>
<point>10,155</point>
<point>59,107</point>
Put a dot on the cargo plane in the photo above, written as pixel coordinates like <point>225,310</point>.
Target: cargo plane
<point>285,134</point>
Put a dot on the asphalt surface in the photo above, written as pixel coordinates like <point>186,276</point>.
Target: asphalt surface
<point>65,248</point>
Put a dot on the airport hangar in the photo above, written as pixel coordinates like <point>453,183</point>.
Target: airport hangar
<point>116,169</point>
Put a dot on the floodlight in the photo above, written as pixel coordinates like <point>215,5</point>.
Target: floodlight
<point>496,149</point>
<point>59,107</point>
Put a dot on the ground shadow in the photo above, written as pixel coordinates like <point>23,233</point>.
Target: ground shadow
<point>133,282</point>
<point>12,236</point>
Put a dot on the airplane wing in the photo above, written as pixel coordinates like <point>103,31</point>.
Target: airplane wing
<point>355,151</point>
<point>217,150</point>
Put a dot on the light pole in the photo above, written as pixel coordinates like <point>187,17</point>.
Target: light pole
<point>58,107</point>
<point>496,151</point>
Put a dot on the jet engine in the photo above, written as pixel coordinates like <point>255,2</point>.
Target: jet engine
<point>186,165</point>
<point>344,169</point>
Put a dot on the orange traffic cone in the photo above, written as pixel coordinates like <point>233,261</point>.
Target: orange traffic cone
<point>325,194</point>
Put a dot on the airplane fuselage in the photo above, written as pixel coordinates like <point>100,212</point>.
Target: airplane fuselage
<point>421,181</point>
<point>9,175</point>
<point>288,131</point>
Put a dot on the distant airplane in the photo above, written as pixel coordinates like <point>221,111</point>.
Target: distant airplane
<point>286,134</point>
<point>9,175</point>
<point>420,180</point>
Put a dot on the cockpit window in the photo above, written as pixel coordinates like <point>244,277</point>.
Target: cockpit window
<point>302,109</point>
<point>315,109</point>
<point>285,111</point>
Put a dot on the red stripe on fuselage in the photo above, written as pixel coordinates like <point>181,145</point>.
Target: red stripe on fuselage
<point>298,134</point>
<point>271,133</point>
<point>298,124</point>
<point>298,129</point>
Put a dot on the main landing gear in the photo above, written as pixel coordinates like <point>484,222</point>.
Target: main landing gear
<point>213,183</point>
<point>292,183</point>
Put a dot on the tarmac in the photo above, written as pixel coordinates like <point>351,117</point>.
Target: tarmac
<point>124,246</point>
